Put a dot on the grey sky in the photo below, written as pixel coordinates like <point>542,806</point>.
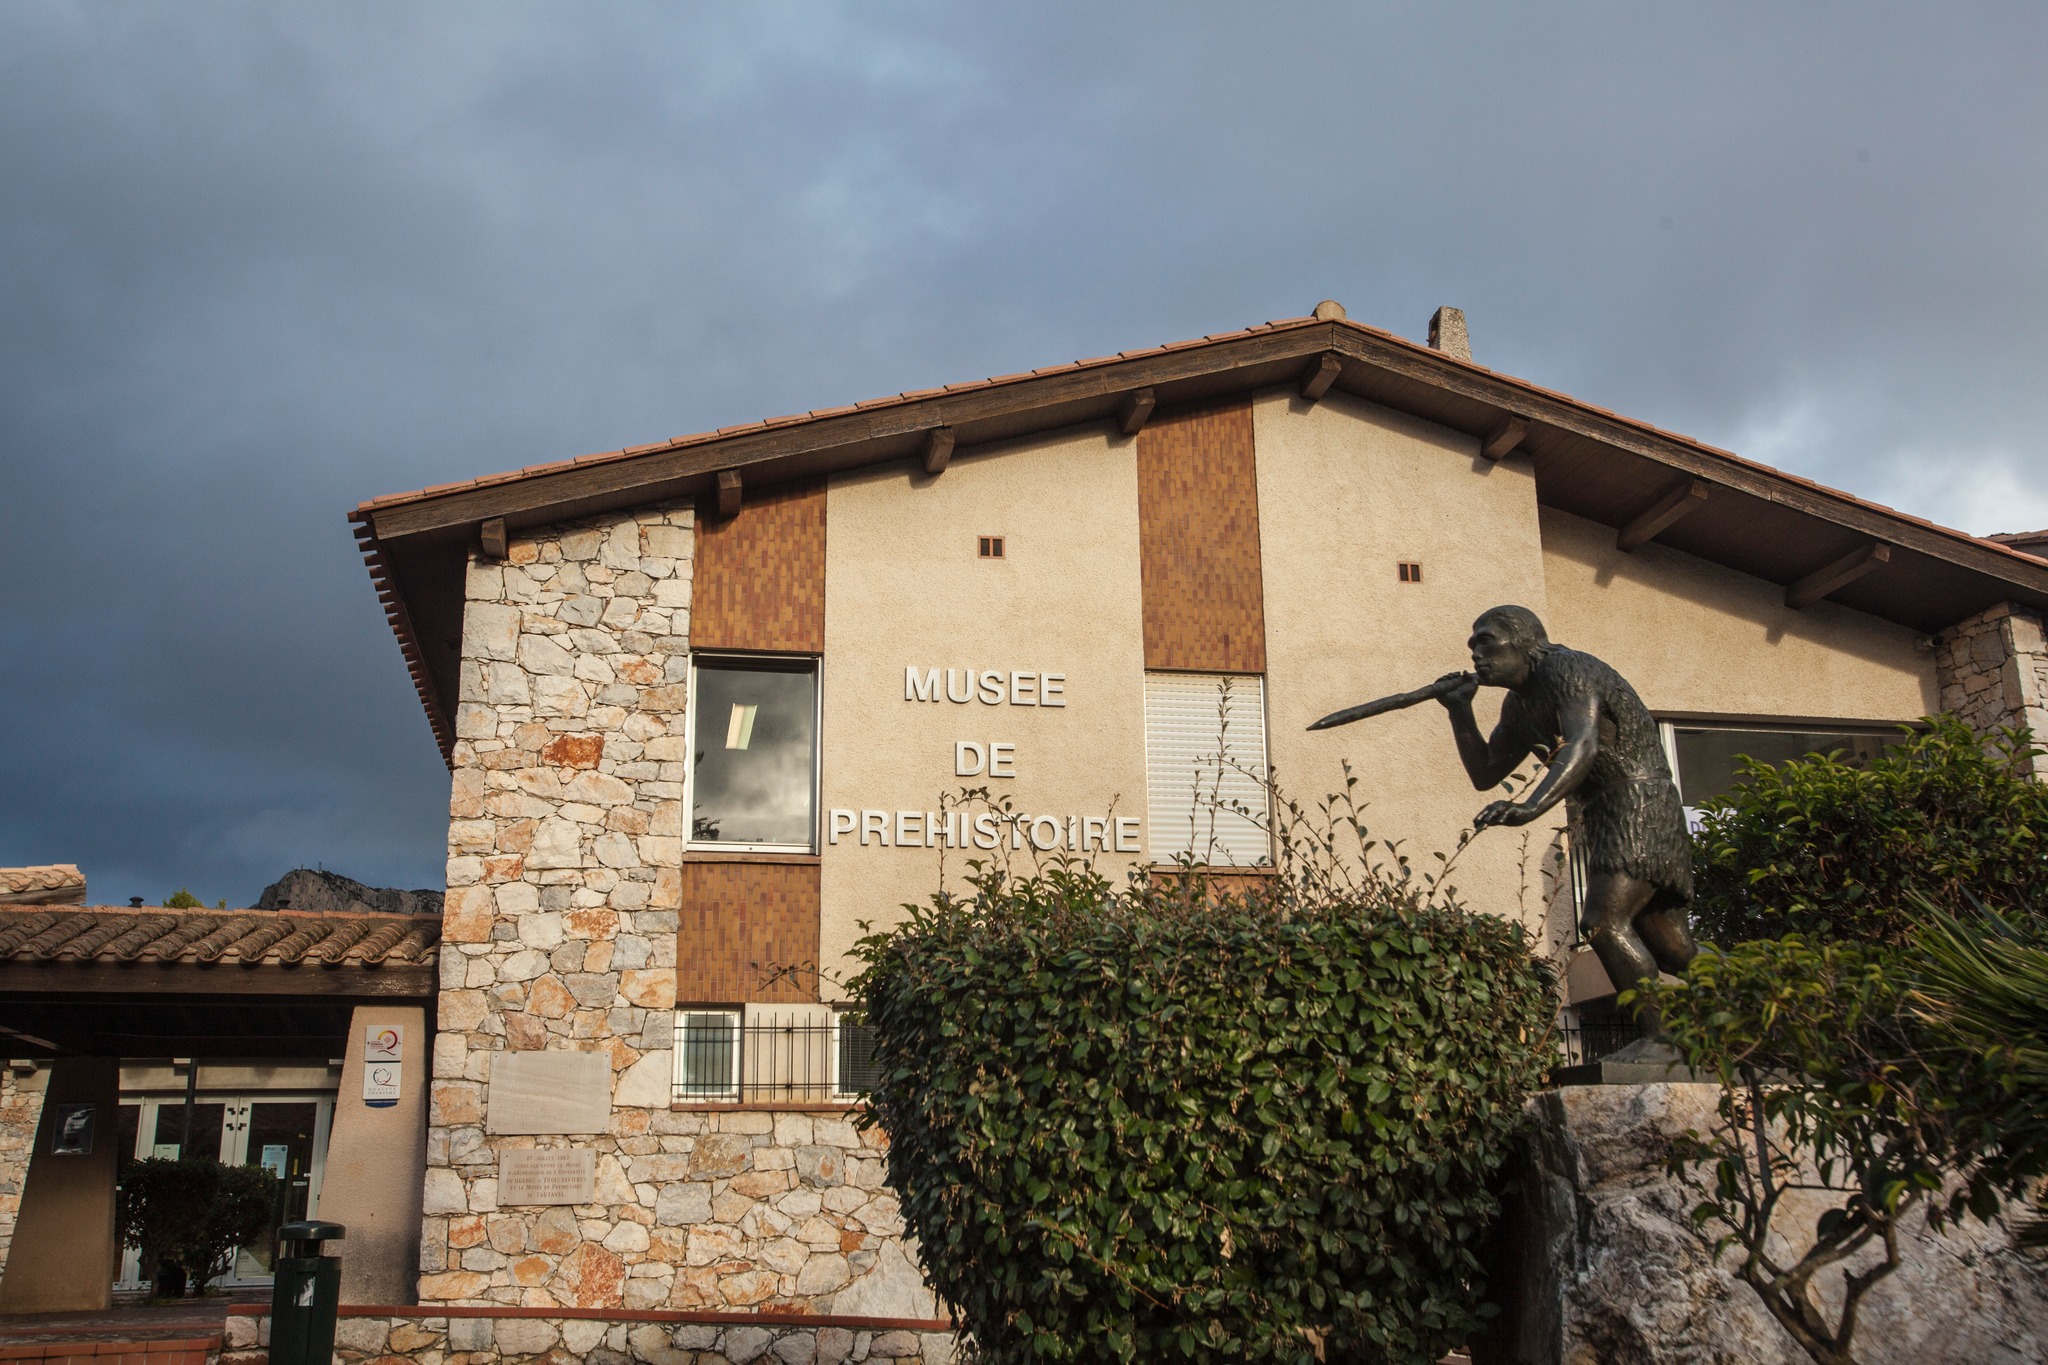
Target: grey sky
<point>258,262</point>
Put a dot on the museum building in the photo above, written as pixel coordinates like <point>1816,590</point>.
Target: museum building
<point>712,705</point>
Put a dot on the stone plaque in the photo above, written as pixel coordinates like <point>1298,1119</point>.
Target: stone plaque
<point>550,1092</point>
<point>551,1176</point>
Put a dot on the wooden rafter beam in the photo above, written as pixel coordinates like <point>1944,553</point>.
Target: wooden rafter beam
<point>1830,578</point>
<point>728,492</point>
<point>1137,410</point>
<point>1317,378</point>
<point>938,449</point>
<point>492,534</point>
<point>1503,439</point>
<point>1680,503</point>
<point>186,978</point>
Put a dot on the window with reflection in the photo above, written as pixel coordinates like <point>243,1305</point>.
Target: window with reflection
<point>1709,756</point>
<point>754,753</point>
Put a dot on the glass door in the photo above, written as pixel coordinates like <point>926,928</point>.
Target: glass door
<point>284,1137</point>
<point>284,1134</point>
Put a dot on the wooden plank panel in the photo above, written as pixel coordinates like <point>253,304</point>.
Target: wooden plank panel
<point>1198,534</point>
<point>760,576</point>
<point>740,923</point>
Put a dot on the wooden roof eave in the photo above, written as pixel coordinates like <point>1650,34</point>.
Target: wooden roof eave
<point>1636,464</point>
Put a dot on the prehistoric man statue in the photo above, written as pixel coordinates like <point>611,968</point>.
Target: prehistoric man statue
<point>1602,752</point>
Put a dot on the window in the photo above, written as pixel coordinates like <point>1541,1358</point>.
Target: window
<point>991,547</point>
<point>1705,757</point>
<point>1410,571</point>
<point>707,1055</point>
<point>754,753</point>
<point>1205,757</point>
<point>853,1057</point>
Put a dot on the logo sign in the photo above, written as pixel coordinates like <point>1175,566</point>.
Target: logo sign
<point>383,1064</point>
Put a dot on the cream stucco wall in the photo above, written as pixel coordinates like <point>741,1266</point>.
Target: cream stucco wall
<point>904,586</point>
<point>376,1162</point>
<point>1694,637</point>
<point>1348,490</point>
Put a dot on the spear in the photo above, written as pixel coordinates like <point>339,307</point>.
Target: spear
<point>1442,687</point>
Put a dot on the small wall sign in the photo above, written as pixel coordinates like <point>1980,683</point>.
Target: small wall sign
<point>547,1176</point>
<point>383,1064</point>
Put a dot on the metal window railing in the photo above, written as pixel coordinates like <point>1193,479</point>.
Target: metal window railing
<point>1588,1040</point>
<point>722,1057</point>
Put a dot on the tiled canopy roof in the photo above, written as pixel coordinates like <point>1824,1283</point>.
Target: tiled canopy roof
<point>51,884</point>
<point>199,937</point>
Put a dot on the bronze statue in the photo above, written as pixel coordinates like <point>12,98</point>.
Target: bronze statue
<point>1601,751</point>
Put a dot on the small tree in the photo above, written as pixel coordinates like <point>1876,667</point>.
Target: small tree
<point>158,1204</point>
<point>1824,1088</point>
<point>193,1212</point>
<point>1832,850</point>
<point>1828,1042</point>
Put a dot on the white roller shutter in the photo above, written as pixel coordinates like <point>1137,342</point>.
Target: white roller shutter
<point>1205,753</point>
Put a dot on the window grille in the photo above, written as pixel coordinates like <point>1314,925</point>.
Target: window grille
<point>1587,1036</point>
<point>723,1057</point>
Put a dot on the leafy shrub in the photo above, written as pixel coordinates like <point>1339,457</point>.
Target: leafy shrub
<point>193,1212</point>
<point>1828,850</point>
<point>1165,1123</point>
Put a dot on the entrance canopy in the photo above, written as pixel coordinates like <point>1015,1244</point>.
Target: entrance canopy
<point>151,982</point>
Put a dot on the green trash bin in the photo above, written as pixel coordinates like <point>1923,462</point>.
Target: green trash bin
<point>306,1294</point>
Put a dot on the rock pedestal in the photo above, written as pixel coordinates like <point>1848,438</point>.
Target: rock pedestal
<point>1600,1262</point>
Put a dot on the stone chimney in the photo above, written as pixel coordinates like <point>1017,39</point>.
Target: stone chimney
<point>1447,333</point>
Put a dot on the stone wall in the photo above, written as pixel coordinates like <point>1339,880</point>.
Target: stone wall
<point>1993,671</point>
<point>1601,1260</point>
<point>21,1109</point>
<point>564,887</point>
<point>427,1338</point>
<point>564,861</point>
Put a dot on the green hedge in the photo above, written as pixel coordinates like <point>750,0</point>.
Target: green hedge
<point>1157,1124</point>
<point>1837,852</point>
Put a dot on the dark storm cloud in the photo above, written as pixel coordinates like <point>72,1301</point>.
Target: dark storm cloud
<point>260,262</point>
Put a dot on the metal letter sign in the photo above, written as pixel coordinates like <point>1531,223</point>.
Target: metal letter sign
<point>383,1064</point>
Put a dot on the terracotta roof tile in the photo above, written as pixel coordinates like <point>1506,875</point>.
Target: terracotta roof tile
<point>1510,386</point>
<point>270,937</point>
<point>1281,324</point>
<point>48,884</point>
<point>908,396</point>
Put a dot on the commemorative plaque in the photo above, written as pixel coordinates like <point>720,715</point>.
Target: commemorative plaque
<point>550,1092</point>
<point>547,1176</point>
